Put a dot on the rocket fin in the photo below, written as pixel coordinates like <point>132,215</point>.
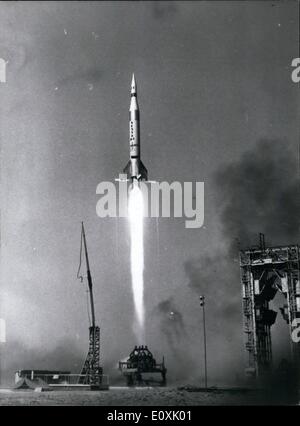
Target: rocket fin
<point>127,169</point>
<point>144,172</point>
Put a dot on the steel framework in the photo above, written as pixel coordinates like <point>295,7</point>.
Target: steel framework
<point>91,372</point>
<point>264,271</point>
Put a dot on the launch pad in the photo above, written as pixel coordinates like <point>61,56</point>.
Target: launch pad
<point>141,368</point>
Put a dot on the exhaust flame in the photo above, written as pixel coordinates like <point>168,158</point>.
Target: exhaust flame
<point>136,214</point>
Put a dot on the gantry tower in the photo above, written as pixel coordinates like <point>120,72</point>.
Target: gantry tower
<point>264,272</point>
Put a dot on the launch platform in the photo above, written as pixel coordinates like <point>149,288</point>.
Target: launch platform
<point>141,368</point>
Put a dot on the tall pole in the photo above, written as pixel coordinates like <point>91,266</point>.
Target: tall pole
<point>89,277</point>
<point>202,304</point>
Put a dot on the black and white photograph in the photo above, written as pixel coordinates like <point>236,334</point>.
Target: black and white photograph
<point>150,206</point>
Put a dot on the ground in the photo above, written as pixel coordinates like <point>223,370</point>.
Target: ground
<point>138,397</point>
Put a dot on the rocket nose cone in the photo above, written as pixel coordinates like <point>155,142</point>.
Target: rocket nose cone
<point>133,84</point>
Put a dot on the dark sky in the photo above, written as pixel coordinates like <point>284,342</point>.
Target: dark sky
<point>213,80</point>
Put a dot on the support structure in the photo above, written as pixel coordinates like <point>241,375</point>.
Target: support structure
<point>91,372</point>
<point>264,271</point>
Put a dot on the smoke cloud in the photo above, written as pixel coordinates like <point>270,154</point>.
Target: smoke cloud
<point>257,193</point>
<point>180,363</point>
<point>171,321</point>
<point>260,193</point>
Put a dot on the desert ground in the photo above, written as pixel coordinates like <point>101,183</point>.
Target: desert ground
<point>122,396</point>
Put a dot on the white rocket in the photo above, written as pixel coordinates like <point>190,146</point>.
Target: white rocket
<point>135,169</point>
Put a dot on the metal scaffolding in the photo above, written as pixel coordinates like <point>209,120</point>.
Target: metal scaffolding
<point>91,372</point>
<point>264,271</point>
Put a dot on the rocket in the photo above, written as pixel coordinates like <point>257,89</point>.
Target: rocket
<point>135,169</point>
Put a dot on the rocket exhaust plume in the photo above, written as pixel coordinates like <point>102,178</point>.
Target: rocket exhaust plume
<point>136,214</point>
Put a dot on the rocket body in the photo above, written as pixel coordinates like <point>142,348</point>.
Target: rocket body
<point>135,168</point>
